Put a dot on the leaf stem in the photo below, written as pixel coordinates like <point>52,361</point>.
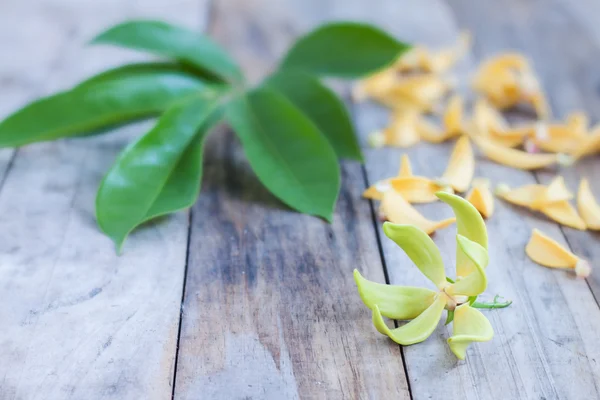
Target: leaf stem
<point>492,304</point>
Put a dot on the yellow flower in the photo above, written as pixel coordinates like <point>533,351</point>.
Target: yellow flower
<point>423,306</point>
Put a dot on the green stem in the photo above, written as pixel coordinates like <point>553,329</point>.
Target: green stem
<point>492,304</point>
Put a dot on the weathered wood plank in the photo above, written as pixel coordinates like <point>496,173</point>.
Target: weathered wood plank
<point>544,342</point>
<point>270,307</point>
<point>571,81</point>
<point>78,321</point>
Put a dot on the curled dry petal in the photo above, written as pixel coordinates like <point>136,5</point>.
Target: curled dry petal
<point>402,130</point>
<point>515,158</point>
<point>469,325</point>
<point>417,189</point>
<point>416,330</point>
<point>475,283</point>
<point>453,116</point>
<point>461,166</point>
<point>565,214</point>
<point>397,302</point>
<point>481,197</point>
<point>420,248</point>
<point>589,145</point>
<point>547,252</point>
<point>469,224</point>
<point>375,191</point>
<point>588,206</point>
<point>397,210</point>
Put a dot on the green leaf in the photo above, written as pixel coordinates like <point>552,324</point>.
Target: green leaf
<point>286,150</point>
<point>95,106</point>
<point>343,49</point>
<point>323,107</point>
<point>142,68</point>
<point>449,317</point>
<point>148,177</point>
<point>174,42</point>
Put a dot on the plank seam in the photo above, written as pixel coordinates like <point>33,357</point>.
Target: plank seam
<point>385,271</point>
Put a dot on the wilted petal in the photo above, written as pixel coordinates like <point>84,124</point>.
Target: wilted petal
<point>397,302</point>
<point>588,206</point>
<point>470,325</point>
<point>461,166</point>
<point>417,189</point>
<point>420,248</point>
<point>469,224</point>
<point>416,330</point>
<point>481,197</point>
<point>565,214</point>
<point>399,211</point>
<point>547,252</point>
<point>475,283</point>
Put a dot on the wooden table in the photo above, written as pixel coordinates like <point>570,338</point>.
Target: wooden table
<point>241,298</point>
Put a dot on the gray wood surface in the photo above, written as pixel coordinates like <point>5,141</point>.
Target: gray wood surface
<point>270,310</point>
<point>77,321</point>
<point>270,307</point>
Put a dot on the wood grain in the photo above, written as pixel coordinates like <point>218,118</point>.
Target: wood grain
<point>79,322</point>
<point>551,323</point>
<point>270,308</point>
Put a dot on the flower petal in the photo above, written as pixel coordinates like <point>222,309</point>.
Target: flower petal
<point>475,283</point>
<point>564,213</point>
<point>416,330</point>
<point>469,224</point>
<point>469,325</point>
<point>522,196</point>
<point>417,189</point>
<point>516,158</point>
<point>588,206</point>
<point>482,199</point>
<point>453,116</point>
<point>397,302</point>
<point>405,167</point>
<point>547,252</point>
<point>556,191</point>
<point>397,210</point>
<point>402,131</point>
<point>461,166</point>
<point>420,248</point>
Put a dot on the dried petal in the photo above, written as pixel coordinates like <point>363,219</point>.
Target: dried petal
<point>420,248</point>
<point>417,189</point>
<point>469,325</point>
<point>402,131</point>
<point>397,210</point>
<point>481,197</point>
<point>565,214</point>
<point>461,166</point>
<point>397,302</point>
<point>416,330</point>
<point>547,252</point>
<point>453,116</point>
<point>588,206</point>
<point>515,158</point>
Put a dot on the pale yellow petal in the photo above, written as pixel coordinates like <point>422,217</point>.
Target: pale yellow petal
<point>470,325</point>
<point>461,166</point>
<point>515,158</point>
<point>589,145</point>
<point>483,200</point>
<point>402,130</point>
<point>416,330</point>
<point>405,167</point>
<point>547,252</point>
<point>397,210</point>
<point>565,214</point>
<point>588,206</point>
<point>522,196</point>
<point>417,189</point>
<point>453,116</point>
